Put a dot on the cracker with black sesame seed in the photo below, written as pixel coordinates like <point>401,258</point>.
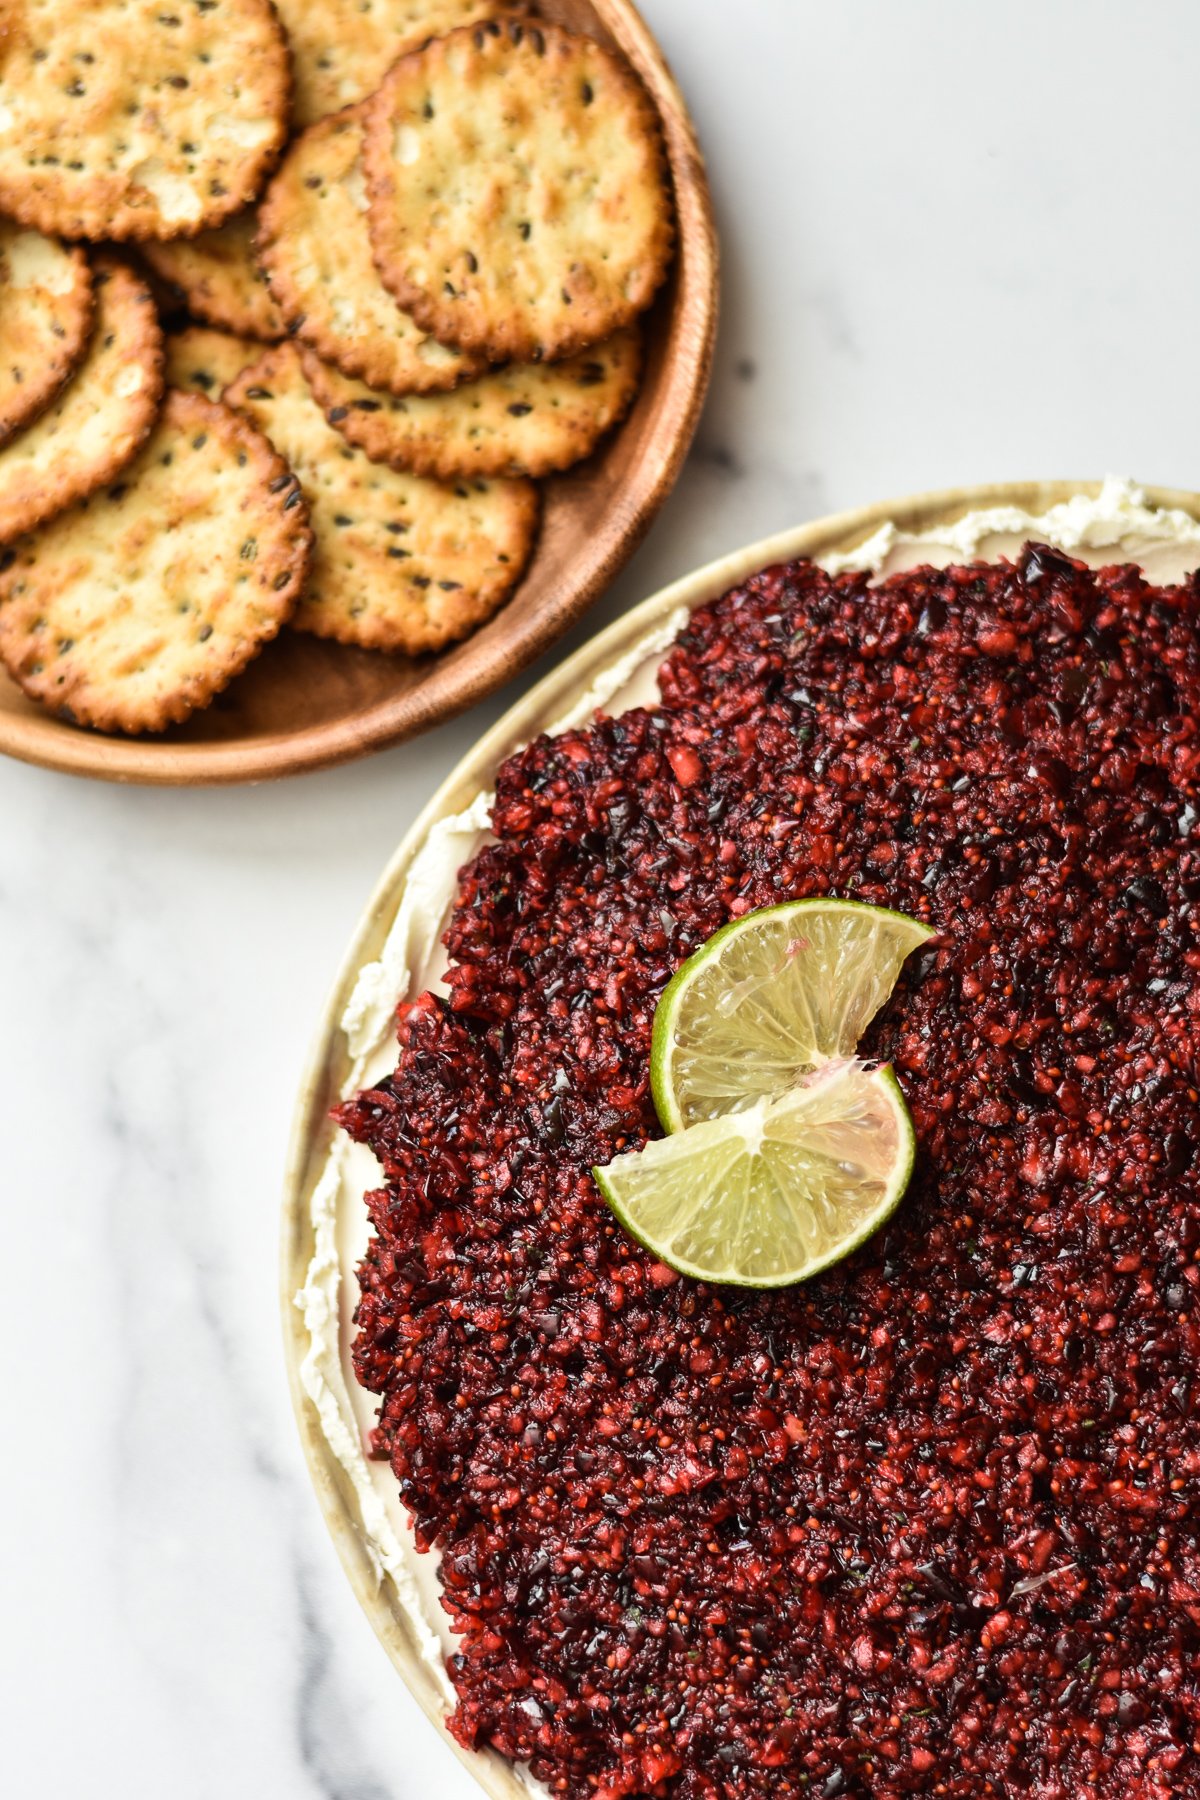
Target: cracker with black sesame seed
<point>518,203</point>
<point>342,49</point>
<point>46,306</point>
<point>220,280</point>
<point>205,361</point>
<point>99,419</point>
<point>522,419</point>
<point>138,118</point>
<point>400,563</point>
<point>133,609</point>
<point>314,247</point>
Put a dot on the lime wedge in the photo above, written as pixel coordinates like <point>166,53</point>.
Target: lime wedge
<point>775,1192</point>
<point>768,999</point>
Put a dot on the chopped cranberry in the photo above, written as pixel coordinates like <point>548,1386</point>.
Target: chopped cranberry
<point>929,1524</point>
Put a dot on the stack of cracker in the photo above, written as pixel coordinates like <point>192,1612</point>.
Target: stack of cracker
<point>401,261</point>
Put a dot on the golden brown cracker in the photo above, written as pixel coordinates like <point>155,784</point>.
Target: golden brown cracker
<point>518,202</point>
<point>521,419</point>
<point>133,609</point>
<point>400,563</point>
<point>218,275</point>
<point>341,49</point>
<point>138,118</point>
<point>314,247</point>
<point>99,419</point>
<point>205,361</point>
<point>46,306</point>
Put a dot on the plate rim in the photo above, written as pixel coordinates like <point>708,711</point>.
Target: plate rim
<point>41,739</point>
<point>327,1062</point>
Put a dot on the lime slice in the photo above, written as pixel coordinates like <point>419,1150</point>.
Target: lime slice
<point>768,999</point>
<point>771,1194</point>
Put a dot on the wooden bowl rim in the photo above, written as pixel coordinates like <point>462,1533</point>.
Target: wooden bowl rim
<point>328,1063</point>
<point>43,739</point>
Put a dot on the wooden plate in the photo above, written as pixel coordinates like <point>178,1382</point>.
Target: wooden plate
<point>305,704</point>
<point>330,1064</point>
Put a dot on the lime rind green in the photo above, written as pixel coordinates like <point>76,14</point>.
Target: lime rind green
<point>783,1152</point>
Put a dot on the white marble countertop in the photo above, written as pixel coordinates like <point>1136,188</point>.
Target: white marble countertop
<point>959,243</point>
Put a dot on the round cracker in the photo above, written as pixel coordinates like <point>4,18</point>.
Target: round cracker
<point>342,49</point>
<point>46,305</point>
<point>522,419</point>
<point>102,416</point>
<point>204,361</point>
<point>400,563</point>
<point>314,247</point>
<point>220,280</point>
<point>135,608</point>
<point>139,118</point>
<point>517,191</point>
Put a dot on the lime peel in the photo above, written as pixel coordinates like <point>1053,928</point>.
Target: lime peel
<point>783,1151</point>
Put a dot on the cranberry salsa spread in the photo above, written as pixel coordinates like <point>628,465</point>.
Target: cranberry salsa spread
<point>927,1524</point>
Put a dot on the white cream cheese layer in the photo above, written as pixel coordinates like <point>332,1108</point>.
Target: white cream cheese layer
<point>412,961</point>
<point>1165,543</point>
<point>1089,527</point>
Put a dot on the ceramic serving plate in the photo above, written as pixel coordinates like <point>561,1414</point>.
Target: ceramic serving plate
<point>330,1065</point>
<point>305,703</point>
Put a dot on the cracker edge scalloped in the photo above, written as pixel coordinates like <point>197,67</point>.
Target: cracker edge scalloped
<point>150,395</point>
<point>509,343</point>
<point>126,222</point>
<point>360,363</point>
<point>437,463</point>
<point>174,709</point>
<point>396,642</point>
<point>73,349</point>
